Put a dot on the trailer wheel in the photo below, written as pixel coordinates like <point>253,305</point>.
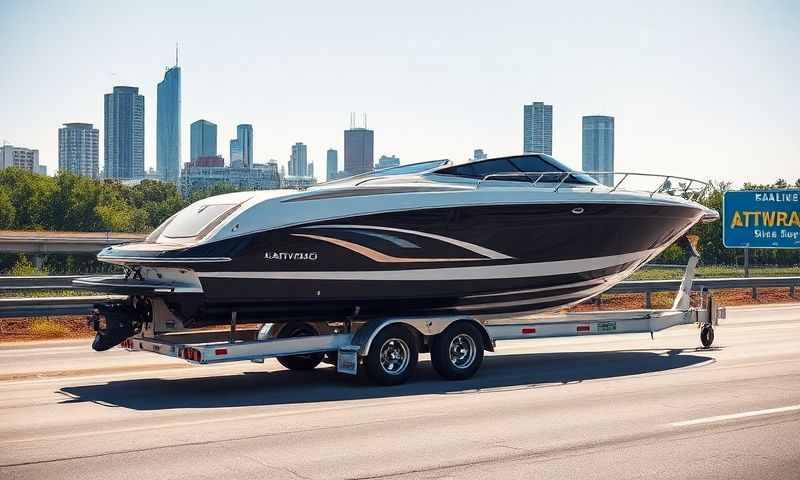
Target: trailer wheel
<point>457,352</point>
<point>707,335</point>
<point>300,362</point>
<point>392,356</point>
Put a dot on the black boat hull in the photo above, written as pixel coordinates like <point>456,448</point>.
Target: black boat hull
<point>476,260</point>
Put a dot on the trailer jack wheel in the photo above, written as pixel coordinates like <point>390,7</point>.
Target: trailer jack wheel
<point>300,362</point>
<point>707,335</point>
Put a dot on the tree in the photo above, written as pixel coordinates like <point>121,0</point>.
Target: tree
<point>31,195</point>
<point>216,189</point>
<point>7,211</point>
<point>115,216</point>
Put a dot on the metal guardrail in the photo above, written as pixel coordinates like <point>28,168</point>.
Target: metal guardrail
<point>753,283</point>
<point>43,282</point>
<point>50,306</point>
<point>55,306</point>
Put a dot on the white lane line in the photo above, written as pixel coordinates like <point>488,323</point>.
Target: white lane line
<point>734,416</point>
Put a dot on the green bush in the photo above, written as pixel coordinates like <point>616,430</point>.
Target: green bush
<point>24,268</point>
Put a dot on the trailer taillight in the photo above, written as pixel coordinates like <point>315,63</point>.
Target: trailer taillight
<point>193,354</point>
<point>528,330</point>
<point>221,351</point>
<point>582,328</point>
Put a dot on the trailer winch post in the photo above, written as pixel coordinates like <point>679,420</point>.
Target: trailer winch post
<point>684,297</point>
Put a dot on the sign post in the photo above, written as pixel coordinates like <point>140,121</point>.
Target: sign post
<point>746,262</point>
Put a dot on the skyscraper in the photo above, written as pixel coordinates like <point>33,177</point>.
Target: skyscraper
<point>123,144</point>
<point>598,147</point>
<point>358,147</point>
<point>244,133</point>
<point>537,135</point>
<point>298,162</point>
<point>331,164</point>
<point>387,161</point>
<point>202,139</point>
<point>79,149</point>
<point>168,125</point>
<point>236,153</point>
<point>20,157</point>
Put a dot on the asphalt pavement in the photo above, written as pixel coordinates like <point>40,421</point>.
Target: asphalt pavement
<point>611,407</point>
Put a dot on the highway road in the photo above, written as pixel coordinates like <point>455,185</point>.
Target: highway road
<point>611,407</point>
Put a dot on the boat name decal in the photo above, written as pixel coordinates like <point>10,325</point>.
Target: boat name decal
<point>308,256</point>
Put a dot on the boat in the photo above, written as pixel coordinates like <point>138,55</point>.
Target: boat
<point>496,238</point>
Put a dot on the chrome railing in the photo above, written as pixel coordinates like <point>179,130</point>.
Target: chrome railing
<point>689,188</point>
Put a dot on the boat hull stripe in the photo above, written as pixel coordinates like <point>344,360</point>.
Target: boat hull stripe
<point>523,270</point>
<point>488,253</point>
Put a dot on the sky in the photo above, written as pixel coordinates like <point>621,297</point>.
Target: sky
<point>701,89</point>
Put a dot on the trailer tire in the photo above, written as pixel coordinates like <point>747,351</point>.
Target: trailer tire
<point>393,355</point>
<point>300,362</point>
<point>457,352</point>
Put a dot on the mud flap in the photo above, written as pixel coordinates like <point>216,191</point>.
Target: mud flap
<point>347,360</point>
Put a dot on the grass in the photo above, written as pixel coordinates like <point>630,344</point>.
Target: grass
<point>47,328</point>
<point>45,293</point>
<point>714,271</point>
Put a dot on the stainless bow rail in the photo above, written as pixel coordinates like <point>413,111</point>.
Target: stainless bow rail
<point>689,188</point>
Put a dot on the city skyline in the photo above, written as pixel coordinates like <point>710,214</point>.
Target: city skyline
<point>677,89</point>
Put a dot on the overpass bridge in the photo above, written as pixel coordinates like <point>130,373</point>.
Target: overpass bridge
<point>38,243</point>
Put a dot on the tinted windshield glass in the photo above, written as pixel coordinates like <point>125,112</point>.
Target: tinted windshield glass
<point>190,221</point>
<point>413,168</point>
<point>481,169</point>
<point>524,163</point>
<point>576,177</point>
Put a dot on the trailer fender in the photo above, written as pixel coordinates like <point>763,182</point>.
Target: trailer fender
<point>424,326</point>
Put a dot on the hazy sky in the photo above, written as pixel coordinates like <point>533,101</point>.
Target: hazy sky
<point>705,89</point>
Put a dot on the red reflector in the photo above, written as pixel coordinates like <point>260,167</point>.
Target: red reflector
<point>528,330</point>
<point>582,328</point>
<point>221,351</point>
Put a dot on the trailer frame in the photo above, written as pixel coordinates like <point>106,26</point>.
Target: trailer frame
<point>352,345</point>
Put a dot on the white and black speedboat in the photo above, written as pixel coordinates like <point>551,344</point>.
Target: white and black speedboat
<point>498,237</point>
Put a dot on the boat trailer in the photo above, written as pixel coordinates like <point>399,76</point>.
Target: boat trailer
<point>387,349</point>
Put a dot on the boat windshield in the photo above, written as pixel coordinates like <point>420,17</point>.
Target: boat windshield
<point>412,168</point>
<point>196,219</point>
<point>539,164</point>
